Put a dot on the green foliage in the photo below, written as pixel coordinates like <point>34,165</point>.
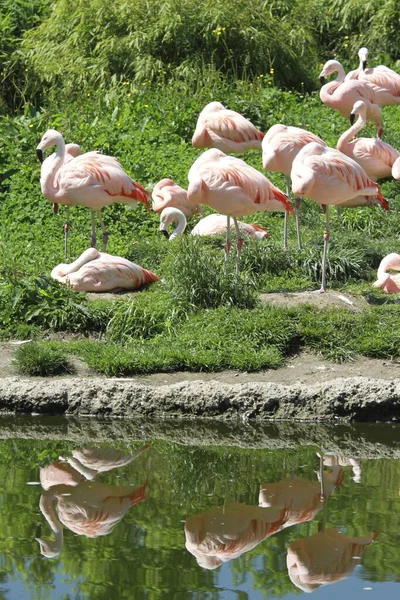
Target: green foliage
<point>196,277</point>
<point>38,359</point>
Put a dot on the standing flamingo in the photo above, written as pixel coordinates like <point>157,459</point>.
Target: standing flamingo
<point>328,176</point>
<point>211,225</point>
<point>376,157</point>
<point>96,271</point>
<point>341,95</point>
<point>325,557</point>
<point>233,188</point>
<point>381,76</point>
<point>92,179</point>
<point>167,194</point>
<point>227,130</point>
<point>226,532</point>
<point>388,282</point>
<point>280,146</point>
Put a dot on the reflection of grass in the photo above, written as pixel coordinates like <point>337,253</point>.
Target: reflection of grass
<point>42,360</point>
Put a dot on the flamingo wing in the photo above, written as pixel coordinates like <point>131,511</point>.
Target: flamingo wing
<point>231,125</point>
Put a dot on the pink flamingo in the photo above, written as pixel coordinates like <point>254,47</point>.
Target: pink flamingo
<point>167,194</point>
<point>341,95</point>
<point>396,169</point>
<point>96,271</point>
<point>380,76</point>
<point>280,146</point>
<point>233,188</point>
<point>227,130</point>
<point>85,507</point>
<point>302,498</point>
<point>325,557</point>
<point>92,179</point>
<point>226,532</point>
<point>211,225</point>
<point>328,177</point>
<point>376,157</point>
<point>388,282</point>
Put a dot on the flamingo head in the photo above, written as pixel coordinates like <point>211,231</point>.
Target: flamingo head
<point>172,215</point>
<point>49,139</point>
<point>359,109</point>
<point>363,56</point>
<point>331,66</point>
<point>49,548</point>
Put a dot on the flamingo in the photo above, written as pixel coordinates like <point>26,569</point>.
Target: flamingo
<point>233,188</point>
<point>328,176</point>
<point>333,460</point>
<point>83,506</point>
<point>96,271</point>
<point>341,95</point>
<point>210,225</point>
<point>91,179</point>
<point>303,498</point>
<point>325,557</point>
<point>376,157</point>
<point>381,76</point>
<point>166,193</point>
<point>226,532</point>
<point>227,130</point>
<point>388,282</point>
<point>280,146</point>
<point>396,169</point>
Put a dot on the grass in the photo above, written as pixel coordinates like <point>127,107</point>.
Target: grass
<point>41,360</point>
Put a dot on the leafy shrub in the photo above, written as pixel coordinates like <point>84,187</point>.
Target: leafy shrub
<point>40,360</point>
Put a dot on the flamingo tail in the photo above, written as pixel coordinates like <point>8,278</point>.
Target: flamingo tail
<point>259,228</point>
<point>383,202</point>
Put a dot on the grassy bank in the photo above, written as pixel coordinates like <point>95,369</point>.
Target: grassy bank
<point>196,318</point>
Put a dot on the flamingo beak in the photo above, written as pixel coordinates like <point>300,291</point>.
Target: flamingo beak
<point>39,154</point>
<point>322,80</point>
<point>352,118</point>
<point>364,65</point>
<point>165,233</point>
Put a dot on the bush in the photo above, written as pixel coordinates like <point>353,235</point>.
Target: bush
<point>42,361</point>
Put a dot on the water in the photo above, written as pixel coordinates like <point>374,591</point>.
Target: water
<point>206,512</point>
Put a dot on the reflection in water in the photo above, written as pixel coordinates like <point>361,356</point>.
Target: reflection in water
<point>303,498</point>
<point>325,557</point>
<point>332,460</point>
<point>225,532</point>
<point>85,507</point>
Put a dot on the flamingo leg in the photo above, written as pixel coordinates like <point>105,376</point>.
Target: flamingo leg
<point>104,230</point>
<point>228,240</point>
<point>93,218</point>
<point>239,245</point>
<point>339,212</point>
<point>285,224</point>
<point>321,476</point>
<point>297,204</point>
<point>325,254</point>
<point>66,231</point>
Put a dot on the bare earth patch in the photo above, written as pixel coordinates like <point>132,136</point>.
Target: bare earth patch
<point>327,300</point>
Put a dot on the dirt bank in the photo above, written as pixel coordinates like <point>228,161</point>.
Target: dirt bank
<point>349,399</point>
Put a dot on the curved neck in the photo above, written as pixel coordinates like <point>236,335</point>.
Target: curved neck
<point>49,173</point>
<point>49,548</point>
<point>87,256</point>
<point>182,222</point>
<point>341,75</point>
<point>350,133</point>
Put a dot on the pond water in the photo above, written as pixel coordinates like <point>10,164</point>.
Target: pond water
<point>123,513</point>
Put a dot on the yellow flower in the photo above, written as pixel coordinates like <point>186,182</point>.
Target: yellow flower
<point>346,37</point>
<point>272,70</point>
<point>146,105</point>
<point>218,33</point>
<point>345,45</point>
<point>128,95</point>
<point>30,125</point>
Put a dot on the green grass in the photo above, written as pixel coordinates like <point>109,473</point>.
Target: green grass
<point>41,360</point>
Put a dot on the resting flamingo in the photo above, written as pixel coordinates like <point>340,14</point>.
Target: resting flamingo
<point>96,271</point>
<point>167,194</point>
<point>84,506</point>
<point>227,130</point>
<point>341,95</point>
<point>210,225</point>
<point>233,188</point>
<point>381,76</point>
<point>92,179</point>
<point>389,282</point>
<point>375,156</point>
<point>329,177</point>
<point>396,169</point>
<point>325,557</point>
<point>280,146</point>
<point>226,532</point>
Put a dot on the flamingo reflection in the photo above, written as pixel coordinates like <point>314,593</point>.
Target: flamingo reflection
<point>325,557</point>
<point>225,532</point>
<point>84,506</point>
